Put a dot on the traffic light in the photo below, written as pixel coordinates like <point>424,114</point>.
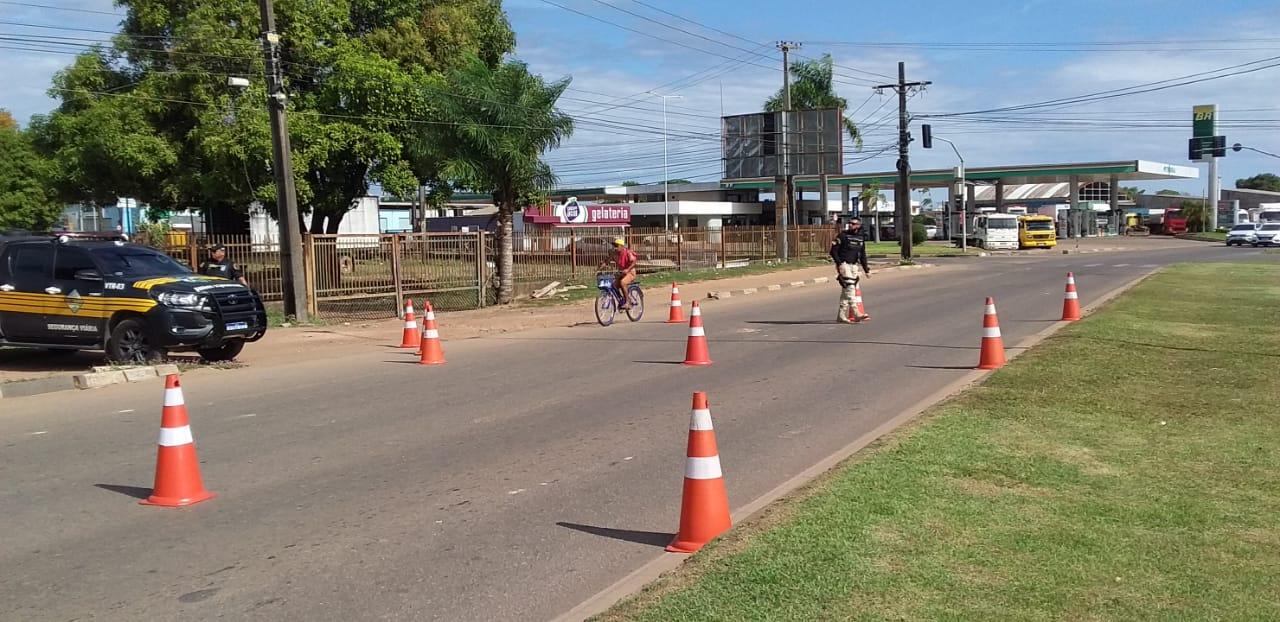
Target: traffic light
<point>926,135</point>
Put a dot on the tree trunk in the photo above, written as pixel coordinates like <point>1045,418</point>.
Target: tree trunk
<point>506,259</point>
<point>333,221</point>
<point>317,223</point>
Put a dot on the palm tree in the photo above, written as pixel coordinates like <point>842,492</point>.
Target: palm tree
<point>812,88</point>
<point>500,121</point>
<point>870,198</point>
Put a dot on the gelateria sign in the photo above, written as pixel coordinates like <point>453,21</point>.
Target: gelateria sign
<point>572,212</point>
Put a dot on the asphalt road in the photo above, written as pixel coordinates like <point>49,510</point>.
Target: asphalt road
<point>511,484</point>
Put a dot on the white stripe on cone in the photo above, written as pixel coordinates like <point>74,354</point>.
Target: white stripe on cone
<point>175,437</point>
<point>431,333</point>
<point>991,332</point>
<point>701,419</point>
<point>411,324</point>
<point>431,315</point>
<point>991,309</point>
<point>697,310</point>
<point>1073,296</point>
<point>173,397</point>
<point>703,468</point>
<point>408,309</point>
<point>676,303</point>
<point>697,331</point>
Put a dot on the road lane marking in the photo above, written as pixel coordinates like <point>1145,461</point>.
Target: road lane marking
<point>1092,265</point>
<point>515,492</point>
<point>38,433</point>
<point>1121,265</point>
<point>124,412</point>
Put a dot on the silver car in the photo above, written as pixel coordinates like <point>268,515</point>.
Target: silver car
<point>1243,233</point>
<point>1268,235</point>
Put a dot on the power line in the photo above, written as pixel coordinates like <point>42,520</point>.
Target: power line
<point>60,8</point>
<point>1149,87</point>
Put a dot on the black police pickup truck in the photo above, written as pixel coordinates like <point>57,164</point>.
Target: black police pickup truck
<point>63,292</point>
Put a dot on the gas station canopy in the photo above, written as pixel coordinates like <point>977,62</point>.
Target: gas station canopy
<point>1083,172</point>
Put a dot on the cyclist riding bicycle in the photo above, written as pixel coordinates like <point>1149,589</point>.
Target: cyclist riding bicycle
<point>625,260</point>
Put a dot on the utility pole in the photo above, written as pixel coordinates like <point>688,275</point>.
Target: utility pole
<point>902,189</point>
<point>784,202</point>
<point>291,268</point>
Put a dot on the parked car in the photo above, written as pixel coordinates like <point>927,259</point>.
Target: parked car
<point>591,250</point>
<point>1243,233</point>
<point>1268,234</point>
<point>73,292</point>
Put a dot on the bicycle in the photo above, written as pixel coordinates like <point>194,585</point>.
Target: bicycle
<point>610,299</point>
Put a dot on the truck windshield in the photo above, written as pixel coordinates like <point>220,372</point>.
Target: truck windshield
<point>133,261</point>
<point>1039,225</point>
<point>1002,223</point>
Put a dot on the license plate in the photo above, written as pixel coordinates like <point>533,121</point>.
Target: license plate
<point>604,283</point>
<point>238,326</point>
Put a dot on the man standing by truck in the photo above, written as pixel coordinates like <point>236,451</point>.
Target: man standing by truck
<point>849,252</point>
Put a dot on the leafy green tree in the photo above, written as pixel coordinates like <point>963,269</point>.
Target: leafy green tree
<point>813,88</point>
<point>505,120</point>
<point>1261,181</point>
<point>25,201</point>
<point>359,76</point>
<point>1197,215</point>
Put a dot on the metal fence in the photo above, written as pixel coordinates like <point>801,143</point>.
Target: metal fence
<point>355,276</point>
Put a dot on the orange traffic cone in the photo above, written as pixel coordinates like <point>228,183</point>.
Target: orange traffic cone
<point>695,352</point>
<point>432,353</point>
<point>412,336</point>
<point>857,312</point>
<point>1071,300</point>
<point>992,343</point>
<point>704,509</point>
<point>177,468</point>
<point>677,308</point>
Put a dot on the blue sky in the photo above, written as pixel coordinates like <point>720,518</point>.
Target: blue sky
<point>979,55</point>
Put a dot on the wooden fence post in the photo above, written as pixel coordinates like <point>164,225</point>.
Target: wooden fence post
<point>724,256</point>
<point>309,270</point>
<point>481,267</point>
<point>193,253</point>
<point>396,274</point>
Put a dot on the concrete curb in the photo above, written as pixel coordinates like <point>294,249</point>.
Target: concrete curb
<point>730,293</point>
<point>667,562</point>
<point>97,378</point>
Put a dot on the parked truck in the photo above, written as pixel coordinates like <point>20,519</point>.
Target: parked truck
<point>1171,222</point>
<point>989,231</point>
<point>1036,231</point>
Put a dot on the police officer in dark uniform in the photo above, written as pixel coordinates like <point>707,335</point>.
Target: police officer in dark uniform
<point>220,265</point>
<point>849,251</point>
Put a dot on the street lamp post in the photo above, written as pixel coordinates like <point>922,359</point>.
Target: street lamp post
<point>666,177</point>
<point>964,192</point>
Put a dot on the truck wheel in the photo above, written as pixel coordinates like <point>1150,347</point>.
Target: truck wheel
<point>225,352</point>
<point>130,343</point>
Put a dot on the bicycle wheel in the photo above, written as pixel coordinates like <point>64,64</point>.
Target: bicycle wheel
<point>637,303</point>
<point>606,308</point>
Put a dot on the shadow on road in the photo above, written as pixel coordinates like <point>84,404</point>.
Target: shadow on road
<point>794,322</point>
<point>651,538</point>
<point>129,491</point>
<point>944,367</point>
<point>659,362</point>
